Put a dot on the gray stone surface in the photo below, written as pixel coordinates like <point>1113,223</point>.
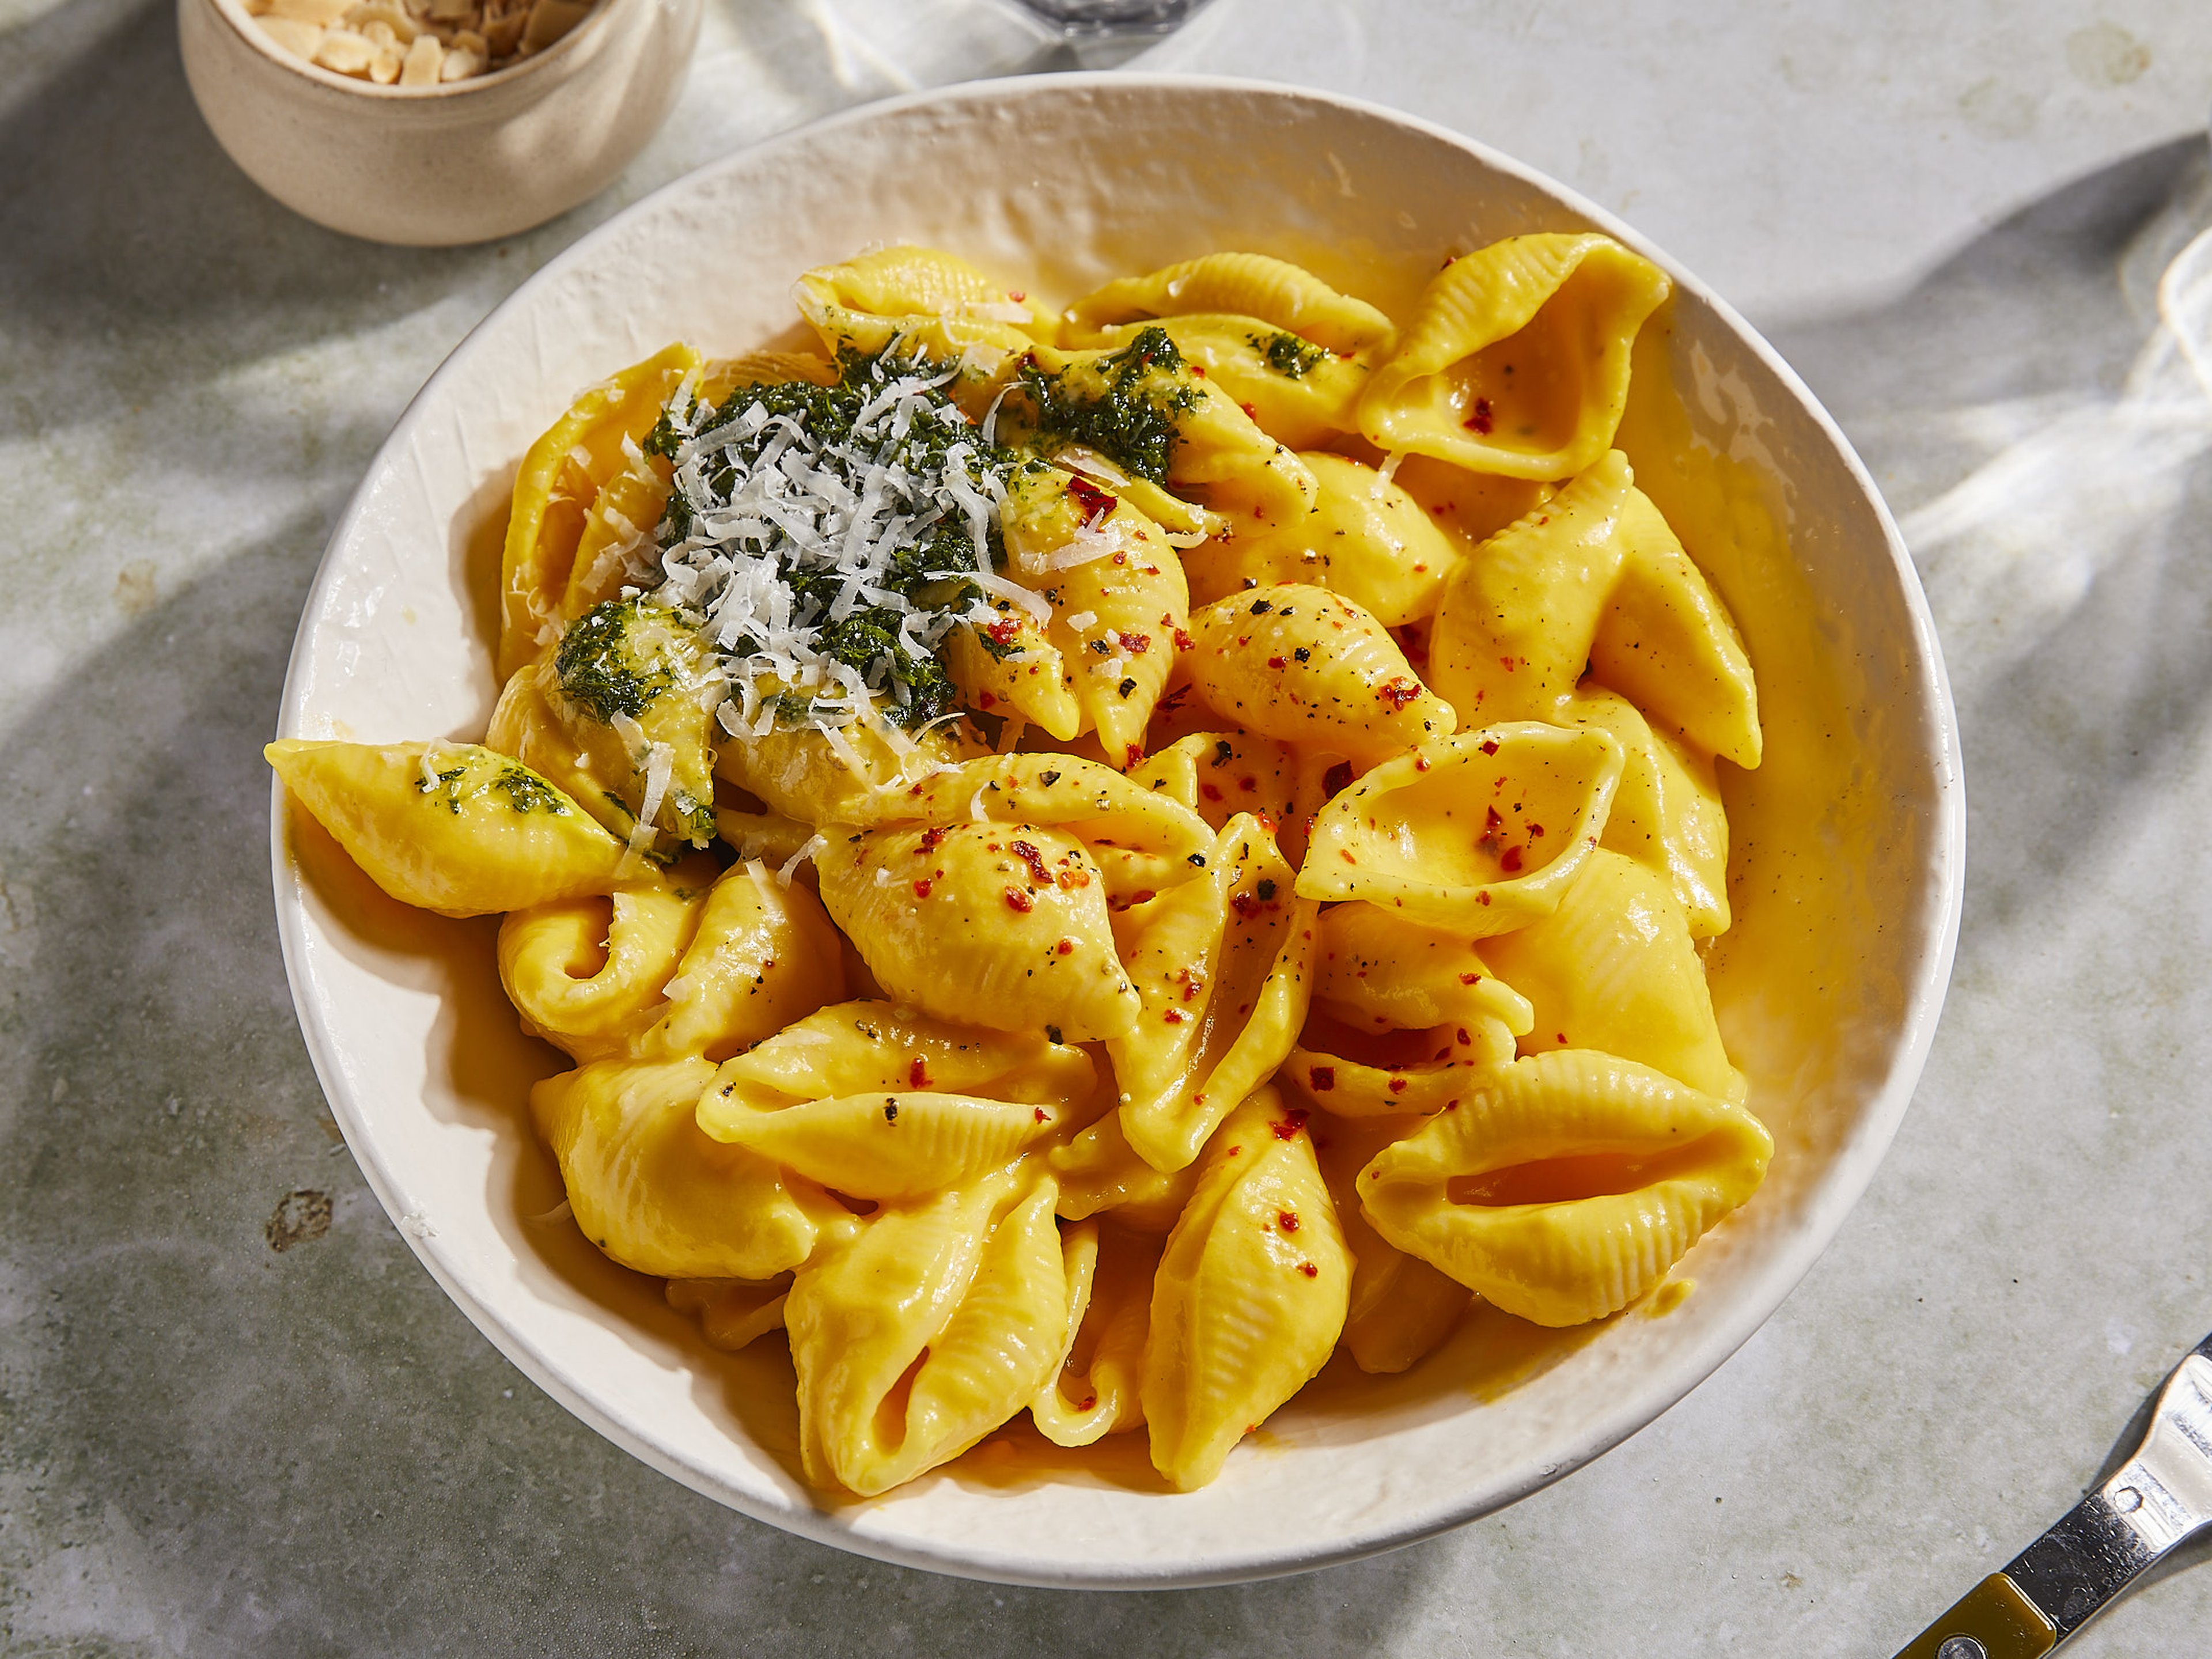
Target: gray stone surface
<point>1952,219</point>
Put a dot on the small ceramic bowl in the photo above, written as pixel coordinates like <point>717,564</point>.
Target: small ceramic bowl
<point>460,161</point>
<point>1846,844</point>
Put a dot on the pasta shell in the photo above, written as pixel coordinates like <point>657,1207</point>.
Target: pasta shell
<point>524,727</point>
<point>1099,1171</point>
<point>1299,394</point>
<point>1354,1074</point>
<point>1517,359</point>
<point>1250,1295</point>
<point>1469,506</point>
<point>617,531</point>
<point>1366,539</point>
<point>1100,563</point>
<point>1480,833</point>
<point>1192,439</point>
<point>1004,926</point>
<point>1568,1186</point>
<point>1275,291</point>
<point>1389,972</point>
<point>453,828</point>
<point>733,1312</point>
<point>1667,812</point>
<point>1614,969</point>
<point>560,476</point>
<point>586,974</point>
<point>1098,1390</point>
<point>1222,964</point>
<point>931,1328</point>
<point>764,955</point>
<point>1300,664</point>
<point>622,690</point>
<point>920,302</point>
<point>1222,774</point>
<point>655,1193</point>
<point>1095,804</point>
<point>1593,581</point>
<point>1398,1308</point>
<point>809,777</point>
<point>887,1105</point>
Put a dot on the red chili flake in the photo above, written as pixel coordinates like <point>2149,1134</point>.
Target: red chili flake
<point>1198,369</point>
<point>1029,855</point>
<point>1066,947</point>
<point>1245,905</point>
<point>984,700</point>
<point>1183,641</point>
<point>917,1075</point>
<point>1095,502</point>
<point>1420,762</point>
<point>921,888</point>
<point>1209,791</point>
<point>1338,778</point>
<point>1289,1127</point>
<point>1470,979</point>
<point>1247,784</point>
<point>1535,830</point>
<point>1481,421</point>
<point>1492,818</point>
<point>1041,1115</point>
<point>1003,630</point>
<point>1018,898</point>
<point>1275,662</point>
<point>1397,1085</point>
<point>1069,880</point>
<point>1308,1270</point>
<point>1135,644</point>
<point>1121,558</point>
<point>1464,1039</point>
<point>1508,663</point>
<point>1287,1220</point>
<point>1133,753</point>
<point>1249,411</point>
<point>1173,1016</point>
<point>1398,691</point>
<point>1562,1035</point>
<point>1510,859</point>
<point>1016,296</point>
<point>930,837</point>
<point>1490,746</point>
<point>1266,822</point>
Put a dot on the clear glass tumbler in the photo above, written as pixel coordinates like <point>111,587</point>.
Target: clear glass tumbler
<point>1103,18</point>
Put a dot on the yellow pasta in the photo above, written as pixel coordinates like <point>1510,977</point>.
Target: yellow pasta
<point>1565,1187</point>
<point>1518,360</point>
<point>1017,991</point>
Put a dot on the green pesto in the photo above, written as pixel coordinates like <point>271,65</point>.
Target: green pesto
<point>1288,355</point>
<point>1131,416</point>
<point>526,791</point>
<point>598,665</point>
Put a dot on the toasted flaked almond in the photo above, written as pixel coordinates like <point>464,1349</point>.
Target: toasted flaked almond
<point>321,13</point>
<point>504,34</point>
<point>420,67</point>
<point>384,68</point>
<point>460,63</point>
<point>551,19</point>
<point>298,38</point>
<point>363,17</point>
<point>345,51</point>
<point>469,40</point>
<point>452,11</point>
<point>378,32</point>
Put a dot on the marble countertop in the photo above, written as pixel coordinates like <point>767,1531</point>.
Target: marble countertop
<point>1957,220</point>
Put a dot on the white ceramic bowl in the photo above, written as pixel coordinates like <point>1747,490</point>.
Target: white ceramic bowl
<point>1847,875</point>
<point>462,162</point>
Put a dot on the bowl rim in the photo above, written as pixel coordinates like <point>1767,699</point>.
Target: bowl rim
<point>1762,1290</point>
<point>241,22</point>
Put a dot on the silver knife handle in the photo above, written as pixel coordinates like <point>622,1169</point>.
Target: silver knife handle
<point>2161,1495</point>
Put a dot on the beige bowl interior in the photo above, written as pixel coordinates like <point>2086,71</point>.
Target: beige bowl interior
<point>1847,876</point>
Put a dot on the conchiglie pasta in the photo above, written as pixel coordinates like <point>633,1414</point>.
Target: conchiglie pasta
<point>1568,1185</point>
<point>1221,964</point>
<point>1398,1308</point>
<point>1366,539</point>
<point>1300,394</point>
<point>561,477</point>
<point>1272,291</point>
<point>656,1195</point>
<point>587,974</point>
<point>1096,1391</point>
<point>931,1327</point>
<point>1300,664</point>
<point>1250,1296</point>
<point>762,955</point>
<point>1006,925</point>
<point>453,828</point>
<point>1481,834</point>
<point>1518,360</point>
